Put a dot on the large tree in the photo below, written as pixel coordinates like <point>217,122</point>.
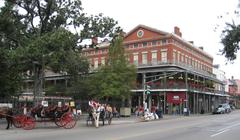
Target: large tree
<point>10,74</point>
<point>48,35</point>
<point>230,39</point>
<point>117,77</point>
<point>10,78</point>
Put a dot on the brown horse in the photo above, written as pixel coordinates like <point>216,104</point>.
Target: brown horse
<point>7,113</point>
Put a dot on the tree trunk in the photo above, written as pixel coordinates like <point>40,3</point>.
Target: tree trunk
<point>38,84</point>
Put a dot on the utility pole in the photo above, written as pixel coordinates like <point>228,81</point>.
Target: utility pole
<point>144,81</point>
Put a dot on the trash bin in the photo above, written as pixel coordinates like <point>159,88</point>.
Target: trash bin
<point>125,111</point>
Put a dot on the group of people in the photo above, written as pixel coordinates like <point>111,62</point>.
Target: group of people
<point>103,107</point>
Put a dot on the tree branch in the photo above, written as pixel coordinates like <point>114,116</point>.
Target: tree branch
<point>39,12</point>
<point>47,12</point>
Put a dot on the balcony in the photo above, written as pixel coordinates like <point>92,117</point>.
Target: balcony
<point>175,64</point>
<point>181,86</point>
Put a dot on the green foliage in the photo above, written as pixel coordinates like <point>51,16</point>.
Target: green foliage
<point>10,78</point>
<point>230,40</point>
<point>117,78</point>
<point>37,34</point>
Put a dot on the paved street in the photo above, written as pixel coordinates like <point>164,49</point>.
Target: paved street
<point>195,127</point>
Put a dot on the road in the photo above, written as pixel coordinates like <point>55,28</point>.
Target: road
<point>195,127</point>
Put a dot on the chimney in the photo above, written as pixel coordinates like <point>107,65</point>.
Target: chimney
<point>192,42</point>
<point>201,47</point>
<point>177,31</point>
<point>216,66</point>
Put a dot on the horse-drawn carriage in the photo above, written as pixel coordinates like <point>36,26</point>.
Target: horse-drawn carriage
<point>6,112</point>
<point>99,113</point>
<point>61,116</point>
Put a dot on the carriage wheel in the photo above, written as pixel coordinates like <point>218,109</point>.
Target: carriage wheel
<point>71,124</point>
<point>58,122</point>
<point>28,123</point>
<point>67,120</point>
<point>18,121</point>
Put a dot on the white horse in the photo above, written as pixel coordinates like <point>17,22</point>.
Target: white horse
<point>95,115</point>
<point>95,112</point>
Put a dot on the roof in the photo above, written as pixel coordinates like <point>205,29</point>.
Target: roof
<point>146,27</point>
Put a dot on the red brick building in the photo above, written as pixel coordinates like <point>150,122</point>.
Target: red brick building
<point>234,92</point>
<point>179,73</point>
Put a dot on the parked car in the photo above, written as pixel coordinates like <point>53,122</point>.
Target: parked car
<point>227,108</point>
<point>232,107</point>
<point>222,108</point>
<point>219,110</point>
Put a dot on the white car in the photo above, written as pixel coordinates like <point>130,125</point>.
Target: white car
<point>219,110</point>
<point>227,108</point>
<point>222,108</point>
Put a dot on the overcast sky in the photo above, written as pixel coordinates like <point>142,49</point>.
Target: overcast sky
<point>197,20</point>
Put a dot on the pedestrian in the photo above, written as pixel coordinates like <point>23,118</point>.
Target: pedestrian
<point>109,111</point>
<point>174,110</point>
<point>115,112</point>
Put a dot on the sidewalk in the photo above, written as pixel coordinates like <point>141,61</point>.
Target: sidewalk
<point>130,119</point>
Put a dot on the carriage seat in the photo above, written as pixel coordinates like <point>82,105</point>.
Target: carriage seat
<point>51,108</point>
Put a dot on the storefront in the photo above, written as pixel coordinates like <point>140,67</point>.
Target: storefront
<point>175,102</point>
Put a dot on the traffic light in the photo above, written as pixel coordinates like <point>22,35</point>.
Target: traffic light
<point>148,89</point>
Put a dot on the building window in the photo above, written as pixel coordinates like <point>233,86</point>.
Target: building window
<point>144,58</point>
<point>144,44</point>
<point>95,63</point>
<point>164,56</point>
<point>154,43</point>
<point>190,61</point>
<point>90,63</point>
<point>135,59</point>
<point>160,42</point>
<point>135,45</point>
<point>182,59</point>
<point>193,62</point>
<point>174,56</point>
<point>178,57</point>
<point>154,57</point>
<point>164,41</point>
<point>103,60</point>
<point>186,59</point>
